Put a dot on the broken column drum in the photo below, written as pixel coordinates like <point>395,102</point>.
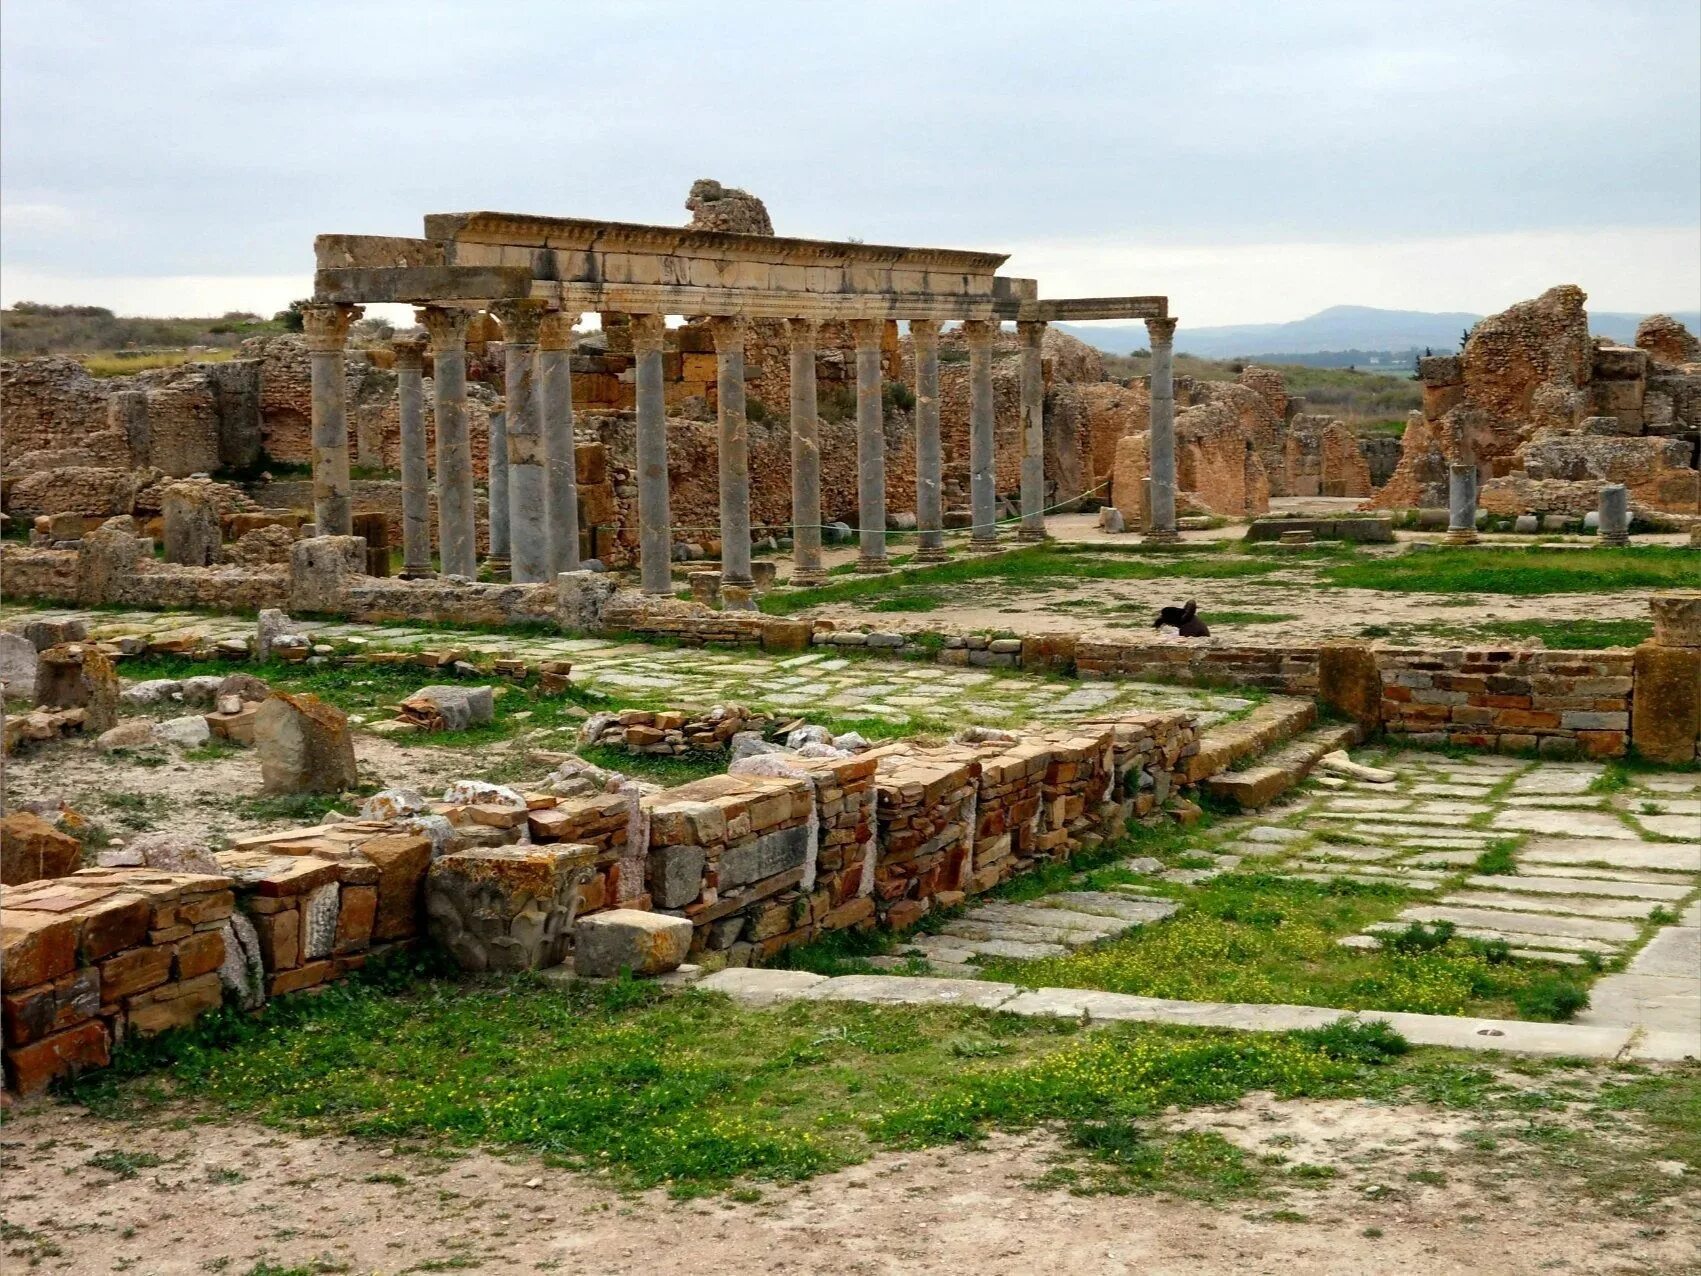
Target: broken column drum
<point>1614,515</point>
<point>1461,504</point>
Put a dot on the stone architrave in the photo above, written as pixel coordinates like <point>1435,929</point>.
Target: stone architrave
<point>326,325</point>
<point>457,509</point>
<point>979,334</point>
<point>870,448</point>
<point>734,450</point>
<point>805,457</point>
<point>1614,515</point>
<point>416,473</point>
<point>1161,497</point>
<point>929,480</point>
<point>496,555</point>
<point>1031,335</point>
<point>528,493</point>
<point>304,746</point>
<point>1462,504</point>
<point>191,519</point>
<point>555,383</point>
<point>655,520</point>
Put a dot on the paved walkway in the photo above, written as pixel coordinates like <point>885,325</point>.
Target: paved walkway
<point>893,691</point>
<point>1045,927</point>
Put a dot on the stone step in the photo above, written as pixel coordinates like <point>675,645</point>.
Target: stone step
<point>1093,925</point>
<point>1278,771</point>
<point>1278,719</point>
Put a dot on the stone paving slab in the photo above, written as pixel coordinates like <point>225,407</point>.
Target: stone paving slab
<point>1671,856</point>
<point>1674,951</point>
<point>1595,824</point>
<point>1571,905</point>
<point>1582,886</point>
<point>1137,912</point>
<point>1542,924</point>
<point>906,990</point>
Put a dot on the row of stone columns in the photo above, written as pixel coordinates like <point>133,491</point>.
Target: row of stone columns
<point>533,491</point>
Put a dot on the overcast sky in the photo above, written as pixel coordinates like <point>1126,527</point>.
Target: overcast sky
<point>1256,161</point>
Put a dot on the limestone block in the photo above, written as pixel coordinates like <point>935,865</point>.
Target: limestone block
<point>43,634</point>
<point>319,921</point>
<point>1129,480</point>
<point>1665,718</point>
<point>202,691</point>
<point>604,944</point>
<point>321,571</point>
<point>32,849</point>
<point>305,746</point>
<point>449,708</point>
<point>34,1013</point>
<point>676,875</point>
<point>189,732</point>
<point>242,972</point>
<point>1349,682</point>
<point>402,861</point>
<point>18,663</point>
<point>191,525</point>
<point>171,852</point>
<point>1677,618</point>
<point>581,597</point>
<point>137,733</point>
<point>29,1069</point>
<point>79,676</point>
<point>152,691</point>
<point>508,908</point>
<point>272,625</point>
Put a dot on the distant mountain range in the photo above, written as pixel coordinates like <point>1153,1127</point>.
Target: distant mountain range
<point>1339,330</point>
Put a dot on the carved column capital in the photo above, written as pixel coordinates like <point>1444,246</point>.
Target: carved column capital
<point>925,333</point>
<point>868,333</point>
<point>410,352</point>
<point>729,332</point>
<point>1161,332</point>
<point>447,327</point>
<point>803,331</point>
<point>520,317</point>
<point>979,334</point>
<point>1030,332</point>
<point>326,324</point>
<point>555,332</point>
<point>648,333</point>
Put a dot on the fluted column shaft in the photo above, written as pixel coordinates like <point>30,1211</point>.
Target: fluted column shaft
<point>870,448</point>
<point>326,325</point>
<point>416,473</point>
<point>527,492</point>
<point>457,502</point>
<point>555,380</point>
<point>980,334</point>
<point>929,479</point>
<point>733,450</point>
<point>1031,335</point>
<point>655,521</point>
<point>1161,507</point>
<point>805,458</point>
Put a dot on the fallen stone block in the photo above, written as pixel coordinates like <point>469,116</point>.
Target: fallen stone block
<point>305,746</point>
<point>449,708</point>
<point>32,849</point>
<point>18,662</point>
<point>604,944</point>
<point>79,676</point>
<point>185,733</point>
<point>510,907</point>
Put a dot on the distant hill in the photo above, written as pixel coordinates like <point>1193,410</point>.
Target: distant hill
<point>1340,332</point>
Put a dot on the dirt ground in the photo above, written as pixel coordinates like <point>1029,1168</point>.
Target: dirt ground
<point>231,1198</point>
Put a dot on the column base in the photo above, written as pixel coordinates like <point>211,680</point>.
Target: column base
<point>873,565</point>
<point>1032,535</point>
<point>1615,541</point>
<point>807,579</point>
<point>1159,536</point>
<point>1462,536</point>
<point>980,546</point>
<point>932,554</point>
<point>740,582</point>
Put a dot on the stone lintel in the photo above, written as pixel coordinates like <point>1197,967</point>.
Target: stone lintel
<point>527,231</point>
<point>762,303</point>
<point>351,252</point>
<point>1083,309</point>
<point>421,284</point>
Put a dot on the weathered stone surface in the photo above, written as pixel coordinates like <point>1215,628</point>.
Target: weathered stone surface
<point>508,908</point>
<point>304,745</point>
<point>624,939</point>
<point>137,733</point>
<point>29,1069</point>
<point>189,732</point>
<point>402,861</point>
<point>191,524</point>
<point>764,856</point>
<point>79,676</point>
<point>18,661</point>
<point>242,972</point>
<point>271,625</point>
<point>1677,617</point>
<point>1665,721</point>
<point>172,852</point>
<point>31,849</point>
<point>319,921</point>
<point>676,875</point>
<point>449,708</point>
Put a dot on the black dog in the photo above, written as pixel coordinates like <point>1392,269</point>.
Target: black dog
<point>1185,620</point>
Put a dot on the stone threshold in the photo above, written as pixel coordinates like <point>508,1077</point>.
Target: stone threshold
<point>755,986</point>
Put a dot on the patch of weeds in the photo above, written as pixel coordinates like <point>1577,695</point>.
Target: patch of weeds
<point>1429,1178</point>
<point>1551,997</point>
<point>122,1164</point>
<point>916,601</point>
<point>294,808</point>
<point>215,748</point>
<point>1497,858</point>
<point>137,812</point>
<point>222,1176</point>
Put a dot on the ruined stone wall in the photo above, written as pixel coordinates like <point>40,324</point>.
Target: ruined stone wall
<point>1219,470</point>
<point>52,403</point>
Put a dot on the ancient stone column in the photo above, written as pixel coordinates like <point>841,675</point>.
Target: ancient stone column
<point>528,522</point>
<point>870,448</point>
<point>929,483</point>
<point>457,506</point>
<point>805,458</point>
<point>326,325</point>
<point>416,473</point>
<point>655,522</point>
<point>983,424</point>
<point>1161,506</point>
<point>555,379</point>
<point>734,450</point>
<point>1615,515</point>
<point>496,457</point>
<point>1031,335</point>
<point>1461,505</point>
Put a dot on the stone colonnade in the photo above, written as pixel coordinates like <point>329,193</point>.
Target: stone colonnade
<point>533,494</point>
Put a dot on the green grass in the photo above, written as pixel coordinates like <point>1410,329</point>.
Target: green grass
<point>1522,571</point>
<point>1254,938</point>
<point>1039,566</point>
